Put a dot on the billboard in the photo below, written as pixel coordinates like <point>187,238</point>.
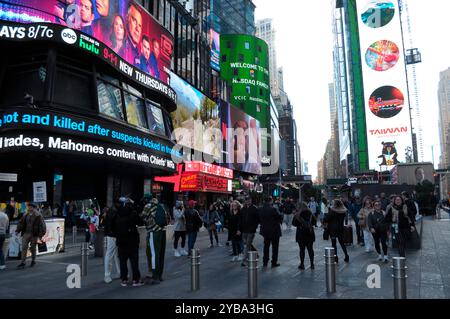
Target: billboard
<point>387,112</point>
<point>242,137</point>
<point>214,42</point>
<point>244,64</point>
<point>196,121</point>
<point>412,174</point>
<point>122,25</point>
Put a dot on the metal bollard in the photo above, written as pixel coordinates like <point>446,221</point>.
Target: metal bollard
<point>195,270</point>
<point>330,271</point>
<point>399,275</point>
<point>74,234</point>
<point>84,258</point>
<point>252,274</point>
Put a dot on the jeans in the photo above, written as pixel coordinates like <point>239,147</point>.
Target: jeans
<point>341,242</point>
<point>275,242</point>
<point>111,256</point>
<point>368,240</point>
<point>192,237</point>
<point>2,257</point>
<point>248,243</point>
<point>92,238</point>
<point>129,251</point>
<point>380,237</point>
<point>288,220</point>
<point>237,248</point>
<point>178,235</point>
<point>211,232</point>
<point>402,237</point>
<point>303,246</point>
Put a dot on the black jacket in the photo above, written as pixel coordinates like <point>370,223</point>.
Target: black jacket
<point>108,222</point>
<point>404,220</point>
<point>335,222</point>
<point>304,223</point>
<point>124,225</point>
<point>234,225</point>
<point>270,221</point>
<point>250,219</point>
<point>193,220</point>
<point>288,208</point>
<point>377,221</point>
<point>38,226</point>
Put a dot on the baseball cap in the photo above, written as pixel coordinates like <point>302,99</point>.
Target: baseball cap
<point>192,202</point>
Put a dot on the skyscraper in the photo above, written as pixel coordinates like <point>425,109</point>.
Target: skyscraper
<point>444,117</point>
<point>265,31</point>
<point>233,16</point>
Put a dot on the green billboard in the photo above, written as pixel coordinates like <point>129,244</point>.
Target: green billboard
<point>244,64</point>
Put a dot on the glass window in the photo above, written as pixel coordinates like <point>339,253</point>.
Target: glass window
<point>155,118</point>
<point>109,100</point>
<point>71,83</point>
<point>247,89</point>
<point>236,72</point>
<point>229,44</point>
<point>256,60</point>
<point>258,108</point>
<point>134,105</point>
<point>247,45</point>
<point>261,91</point>
<point>259,48</point>
<point>224,58</point>
<point>241,57</point>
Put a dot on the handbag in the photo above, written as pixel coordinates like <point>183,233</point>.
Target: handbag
<point>42,247</point>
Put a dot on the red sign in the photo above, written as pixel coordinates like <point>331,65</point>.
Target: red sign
<point>199,182</point>
<point>190,182</point>
<point>207,168</point>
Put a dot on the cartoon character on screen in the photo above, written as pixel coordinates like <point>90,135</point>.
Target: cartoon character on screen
<point>389,154</point>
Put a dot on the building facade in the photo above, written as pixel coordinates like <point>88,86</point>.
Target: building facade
<point>233,16</point>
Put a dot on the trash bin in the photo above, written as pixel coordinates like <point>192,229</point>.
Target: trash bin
<point>99,243</point>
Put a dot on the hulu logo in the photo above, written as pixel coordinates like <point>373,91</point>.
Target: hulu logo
<point>89,47</point>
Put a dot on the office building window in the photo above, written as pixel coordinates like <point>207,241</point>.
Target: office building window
<point>241,57</point>
<point>236,72</point>
<point>247,89</point>
<point>258,108</point>
<point>247,45</point>
<point>224,58</point>
<point>229,44</point>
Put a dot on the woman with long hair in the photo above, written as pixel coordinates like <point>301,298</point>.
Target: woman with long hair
<point>118,35</point>
<point>402,224</point>
<point>363,215</point>
<point>305,237</point>
<point>378,227</point>
<point>234,227</point>
<point>334,222</point>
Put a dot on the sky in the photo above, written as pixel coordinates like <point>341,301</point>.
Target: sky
<point>304,45</point>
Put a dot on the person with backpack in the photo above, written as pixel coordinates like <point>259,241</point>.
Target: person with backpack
<point>379,228</point>
<point>156,219</point>
<point>305,236</point>
<point>334,222</point>
<point>124,225</point>
<point>193,224</point>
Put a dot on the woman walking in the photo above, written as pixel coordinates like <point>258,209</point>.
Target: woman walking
<point>305,237</point>
<point>179,230</point>
<point>334,221</point>
<point>402,225</point>
<point>379,227</point>
<point>363,215</point>
<point>210,219</point>
<point>234,227</point>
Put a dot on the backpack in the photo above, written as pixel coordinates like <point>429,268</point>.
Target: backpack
<point>161,217</point>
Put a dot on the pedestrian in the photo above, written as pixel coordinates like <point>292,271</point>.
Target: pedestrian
<point>379,227</point>
<point>179,229</point>
<point>305,236</point>
<point>156,219</point>
<point>125,222</point>
<point>86,220</point>
<point>210,219</point>
<point>4,230</point>
<point>363,215</point>
<point>288,213</point>
<point>235,230</point>
<point>270,221</point>
<point>32,228</point>
<point>354,209</point>
<point>93,224</point>
<point>384,201</point>
<point>46,211</point>
<point>323,210</point>
<point>313,207</point>
<point>193,224</point>
<point>111,255</point>
<point>249,224</point>
<point>412,206</point>
<point>334,222</point>
<point>221,210</point>
<point>402,225</point>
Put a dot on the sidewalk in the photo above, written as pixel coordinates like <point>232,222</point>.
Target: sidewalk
<point>428,275</point>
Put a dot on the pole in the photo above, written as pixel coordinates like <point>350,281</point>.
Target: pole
<point>74,235</point>
<point>399,276</point>
<point>330,271</point>
<point>195,270</point>
<point>84,258</point>
<point>252,274</point>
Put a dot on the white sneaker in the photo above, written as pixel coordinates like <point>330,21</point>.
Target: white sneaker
<point>183,252</point>
<point>386,259</point>
<point>211,246</point>
<point>3,267</point>
<point>219,245</point>
<point>380,258</point>
<point>108,279</point>
<point>177,253</point>
<point>240,258</point>
<point>234,258</point>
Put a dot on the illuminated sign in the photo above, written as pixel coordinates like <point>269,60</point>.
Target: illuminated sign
<point>386,98</point>
<point>205,183</point>
<point>207,168</point>
<point>214,42</point>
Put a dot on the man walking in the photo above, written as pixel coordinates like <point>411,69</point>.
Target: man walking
<point>270,221</point>
<point>31,227</point>
<point>313,207</point>
<point>288,212</point>
<point>156,220</point>
<point>249,224</point>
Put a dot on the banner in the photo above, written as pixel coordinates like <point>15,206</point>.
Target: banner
<point>39,192</point>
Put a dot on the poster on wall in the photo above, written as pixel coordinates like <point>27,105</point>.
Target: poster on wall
<point>122,25</point>
<point>386,98</point>
<point>39,192</point>
<point>196,120</point>
<point>214,38</point>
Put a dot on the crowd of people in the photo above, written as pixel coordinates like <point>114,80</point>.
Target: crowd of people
<point>378,221</point>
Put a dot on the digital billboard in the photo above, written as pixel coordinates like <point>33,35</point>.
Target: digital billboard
<point>387,111</point>
<point>196,121</point>
<point>244,64</point>
<point>122,25</point>
<point>214,42</point>
<point>242,137</point>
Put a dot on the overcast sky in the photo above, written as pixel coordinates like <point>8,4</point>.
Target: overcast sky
<point>304,50</point>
